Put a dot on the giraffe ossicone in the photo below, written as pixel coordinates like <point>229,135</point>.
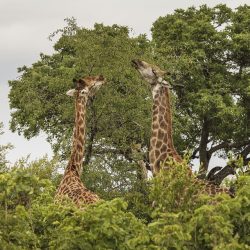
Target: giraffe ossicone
<point>71,185</point>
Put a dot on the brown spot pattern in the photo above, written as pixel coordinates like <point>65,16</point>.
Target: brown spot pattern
<point>71,185</point>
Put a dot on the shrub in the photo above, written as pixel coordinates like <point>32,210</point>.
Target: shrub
<point>106,225</point>
<point>168,213</point>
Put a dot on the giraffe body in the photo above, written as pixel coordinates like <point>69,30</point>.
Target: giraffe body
<point>71,185</point>
<point>161,142</point>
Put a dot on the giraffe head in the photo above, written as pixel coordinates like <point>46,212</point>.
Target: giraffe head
<point>87,86</point>
<point>151,73</point>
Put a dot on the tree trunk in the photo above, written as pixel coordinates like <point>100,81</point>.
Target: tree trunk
<point>204,155</point>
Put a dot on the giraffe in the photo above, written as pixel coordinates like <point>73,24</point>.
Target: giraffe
<point>71,184</point>
<point>161,141</point>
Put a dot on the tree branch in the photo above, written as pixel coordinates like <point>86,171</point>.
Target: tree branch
<point>244,153</point>
<point>194,156</point>
<point>228,145</point>
<point>204,156</point>
<point>222,174</point>
<point>212,172</point>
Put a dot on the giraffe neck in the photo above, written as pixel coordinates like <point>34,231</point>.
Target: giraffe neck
<point>161,142</point>
<point>78,147</point>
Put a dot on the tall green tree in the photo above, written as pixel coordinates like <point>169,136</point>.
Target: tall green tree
<point>118,118</point>
<point>207,50</point>
<point>204,49</point>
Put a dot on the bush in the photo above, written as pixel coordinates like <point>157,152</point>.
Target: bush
<point>174,190</point>
<point>168,214</point>
<point>106,225</point>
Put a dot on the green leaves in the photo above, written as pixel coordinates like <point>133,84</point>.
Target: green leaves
<point>184,220</point>
<point>106,225</point>
<point>207,50</point>
<point>16,231</point>
<point>3,151</point>
<point>118,116</point>
<point>19,187</point>
<point>174,215</point>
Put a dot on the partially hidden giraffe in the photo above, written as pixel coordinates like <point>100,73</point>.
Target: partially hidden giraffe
<point>71,185</point>
<point>161,141</point>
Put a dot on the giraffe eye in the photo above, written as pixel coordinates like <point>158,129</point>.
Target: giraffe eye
<point>154,72</point>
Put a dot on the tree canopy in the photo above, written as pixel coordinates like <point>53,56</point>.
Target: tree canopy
<point>207,50</point>
<point>118,117</point>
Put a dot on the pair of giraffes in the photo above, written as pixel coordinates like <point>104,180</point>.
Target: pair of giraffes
<point>161,142</point>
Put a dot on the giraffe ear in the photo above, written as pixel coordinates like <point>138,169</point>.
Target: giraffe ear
<point>71,92</point>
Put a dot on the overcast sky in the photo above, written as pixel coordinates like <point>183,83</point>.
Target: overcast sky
<point>26,24</point>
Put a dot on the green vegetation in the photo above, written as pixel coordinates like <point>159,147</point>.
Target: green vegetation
<point>3,151</point>
<point>171,215</point>
<point>207,50</point>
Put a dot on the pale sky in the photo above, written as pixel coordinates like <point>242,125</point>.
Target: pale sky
<point>25,26</point>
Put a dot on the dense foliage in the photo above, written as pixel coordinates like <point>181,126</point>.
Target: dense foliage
<point>117,116</point>
<point>3,150</point>
<point>171,215</point>
<point>207,51</point>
